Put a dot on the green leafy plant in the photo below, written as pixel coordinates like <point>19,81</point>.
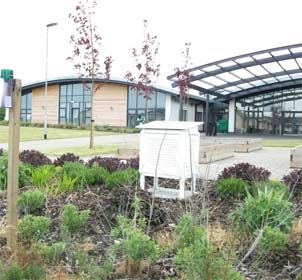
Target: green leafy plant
<point>273,241</point>
<point>122,178</point>
<point>86,266</point>
<point>135,245</point>
<point>75,170</point>
<point>33,228</point>
<point>43,175</point>
<point>12,272</point>
<point>31,201</point>
<point>65,184</point>
<point>24,173</point>
<point>51,253</point>
<point>34,272</point>
<point>232,188</point>
<point>15,272</point>
<point>72,219</point>
<point>195,255</point>
<point>96,175</point>
<point>274,186</point>
<point>267,207</point>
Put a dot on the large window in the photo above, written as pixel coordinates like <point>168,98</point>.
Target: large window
<point>139,112</point>
<point>272,113</point>
<point>75,104</point>
<point>26,107</point>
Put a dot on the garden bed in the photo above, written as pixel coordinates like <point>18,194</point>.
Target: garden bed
<point>110,205</point>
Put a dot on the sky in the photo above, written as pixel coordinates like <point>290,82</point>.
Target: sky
<point>217,29</point>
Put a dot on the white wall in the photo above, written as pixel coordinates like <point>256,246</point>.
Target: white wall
<point>172,110</point>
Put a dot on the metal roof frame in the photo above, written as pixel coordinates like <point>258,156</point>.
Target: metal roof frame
<point>249,74</point>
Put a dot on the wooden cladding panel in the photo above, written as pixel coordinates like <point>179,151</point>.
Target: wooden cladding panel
<point>110,105</point>
<point>52,104</point>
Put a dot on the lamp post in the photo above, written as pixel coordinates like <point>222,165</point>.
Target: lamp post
<point>46,83</point>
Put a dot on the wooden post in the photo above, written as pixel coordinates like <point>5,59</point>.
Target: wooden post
<point>13,167</point>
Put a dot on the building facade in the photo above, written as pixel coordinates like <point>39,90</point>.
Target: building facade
<point>116,103</point>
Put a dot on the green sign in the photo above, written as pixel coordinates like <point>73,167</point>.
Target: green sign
<point>6,88</point>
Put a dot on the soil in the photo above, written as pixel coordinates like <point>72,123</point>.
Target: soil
<point>105,205</point>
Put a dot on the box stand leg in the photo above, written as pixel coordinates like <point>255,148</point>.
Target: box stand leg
<point>182,188</point>
<point>142,182</point>
<point>193,187</point>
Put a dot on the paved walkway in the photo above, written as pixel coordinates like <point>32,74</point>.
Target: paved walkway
<point>115,139</point>
<point>276,160</point>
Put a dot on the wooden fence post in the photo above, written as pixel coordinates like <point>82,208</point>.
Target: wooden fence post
<point>13,167</point>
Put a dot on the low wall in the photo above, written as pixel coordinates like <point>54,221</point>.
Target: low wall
<point>296,157</point>
<point>241,145</point>
<point>214,152</point>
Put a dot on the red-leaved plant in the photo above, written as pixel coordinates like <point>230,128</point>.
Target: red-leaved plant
<point>86,43</point>
<point>147,70</point>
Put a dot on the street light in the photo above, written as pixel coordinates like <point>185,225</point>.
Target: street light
<point>46,83</point>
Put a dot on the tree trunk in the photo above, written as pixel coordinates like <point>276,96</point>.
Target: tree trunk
<point>91,145</point>
<point>146,110</point>
<point>181,109</point>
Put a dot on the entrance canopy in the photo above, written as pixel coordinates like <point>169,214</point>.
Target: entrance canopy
<point>263,73</point>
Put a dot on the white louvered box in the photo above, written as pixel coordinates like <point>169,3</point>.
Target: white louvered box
<point>169,149</point>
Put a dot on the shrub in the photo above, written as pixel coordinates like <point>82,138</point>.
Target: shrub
<point>31,201</point>
<point>110,163</point>
<point>42,176</point>
<point>24,173</point>
<point>1,152</point>
<point>195,255</point>
<point>72,219</point>
<point>34,158</point>
<point>245,171</point>
<point>75,170</point>
<point>33,227</point>
<point>69,157</point>
<point>266,208</point>
<point>274,186</point>
<point>273,241</point>
<point>96,175</point>
<point>122,178</point>
<point>293,180</point>
<point>51,253</point>
<point>136,246</point>
<point>232,188</point>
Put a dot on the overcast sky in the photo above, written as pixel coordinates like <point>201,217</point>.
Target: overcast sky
<point>217,29</point>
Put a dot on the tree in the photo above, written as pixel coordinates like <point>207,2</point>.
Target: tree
<point>147,71</point>
<point>183,78</point>
<point>86,43</point>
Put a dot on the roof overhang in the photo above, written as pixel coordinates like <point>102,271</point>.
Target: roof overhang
<point>249,74</point>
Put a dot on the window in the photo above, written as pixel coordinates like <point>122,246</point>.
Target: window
<point>138,111</point>
<point>75,104</point>
<point>26,107</point>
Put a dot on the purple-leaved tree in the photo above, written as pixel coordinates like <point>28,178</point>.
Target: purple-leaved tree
<point>87,43</point>
<point>146,67</point>
<point>183,77</point>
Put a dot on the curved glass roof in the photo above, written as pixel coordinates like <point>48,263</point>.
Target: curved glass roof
<point>249,74</point>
